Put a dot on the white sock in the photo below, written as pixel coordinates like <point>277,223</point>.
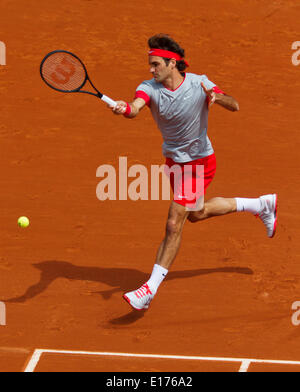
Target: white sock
<point>158,275</point>
<point>250,205</point>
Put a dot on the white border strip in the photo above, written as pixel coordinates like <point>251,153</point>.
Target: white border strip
<point>245,362</point>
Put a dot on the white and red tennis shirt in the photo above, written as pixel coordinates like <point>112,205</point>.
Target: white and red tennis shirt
<point>181,116</point>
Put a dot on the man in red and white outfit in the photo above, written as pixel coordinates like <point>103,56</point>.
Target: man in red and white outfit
<point>180,103</point>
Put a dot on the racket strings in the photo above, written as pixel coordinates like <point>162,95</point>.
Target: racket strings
<point>63,71</point>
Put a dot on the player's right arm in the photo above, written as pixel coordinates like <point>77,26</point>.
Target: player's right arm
<point>130,110</point>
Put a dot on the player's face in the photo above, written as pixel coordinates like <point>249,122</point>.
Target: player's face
<point>159,69</point>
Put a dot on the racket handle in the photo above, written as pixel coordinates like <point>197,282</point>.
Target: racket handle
<point>108,100</point>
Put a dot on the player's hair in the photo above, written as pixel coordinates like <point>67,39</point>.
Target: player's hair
<point>165,42</point>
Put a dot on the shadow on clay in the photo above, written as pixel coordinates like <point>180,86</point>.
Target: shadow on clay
<point>119,279</point>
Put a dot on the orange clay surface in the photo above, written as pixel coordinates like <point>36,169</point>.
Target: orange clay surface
<point>231,289</point>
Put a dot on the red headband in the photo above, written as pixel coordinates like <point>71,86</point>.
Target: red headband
<point>167,54</point>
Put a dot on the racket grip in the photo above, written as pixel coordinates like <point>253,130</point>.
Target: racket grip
<point>108,100</point>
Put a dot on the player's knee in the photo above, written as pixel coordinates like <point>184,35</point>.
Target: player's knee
<point>192,217</point>
<point>172,227</point>
<point>195,216</point>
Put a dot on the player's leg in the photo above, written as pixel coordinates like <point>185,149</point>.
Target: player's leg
<point>264,207</point>
<point>174,226</point>
<point>168,249</point>
<point>214,207</point>
<point>177,216</point>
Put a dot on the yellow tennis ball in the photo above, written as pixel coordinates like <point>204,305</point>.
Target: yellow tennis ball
<point>23,221</point>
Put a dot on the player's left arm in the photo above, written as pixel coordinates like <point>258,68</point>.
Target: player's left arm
<point>220,98</point>
<point>227,102</point>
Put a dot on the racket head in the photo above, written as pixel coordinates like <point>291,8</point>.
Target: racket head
<point>63,71</point>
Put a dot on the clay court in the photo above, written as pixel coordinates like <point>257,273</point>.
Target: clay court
<point>226,304</point>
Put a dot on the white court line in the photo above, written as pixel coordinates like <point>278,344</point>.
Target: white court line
<point>245,362</point>
<point>245,365</point>
<point>33,361</point>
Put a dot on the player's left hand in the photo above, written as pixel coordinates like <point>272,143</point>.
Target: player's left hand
<point>210,94</point>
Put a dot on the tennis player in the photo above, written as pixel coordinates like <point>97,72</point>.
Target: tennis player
<point>179,103</point>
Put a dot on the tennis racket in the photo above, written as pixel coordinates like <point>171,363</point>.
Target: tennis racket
<point>65,72</point>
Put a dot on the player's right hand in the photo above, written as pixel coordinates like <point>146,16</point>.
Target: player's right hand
<point>120,107</point>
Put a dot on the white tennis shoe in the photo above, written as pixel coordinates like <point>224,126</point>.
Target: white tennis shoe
<point>268,213</point>
<point>139,299</point>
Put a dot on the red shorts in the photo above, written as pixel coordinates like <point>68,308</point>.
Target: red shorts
<point>190,180</point>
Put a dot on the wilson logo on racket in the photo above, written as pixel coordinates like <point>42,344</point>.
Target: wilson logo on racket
<point>66,69</point>
<point>65,72</point>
